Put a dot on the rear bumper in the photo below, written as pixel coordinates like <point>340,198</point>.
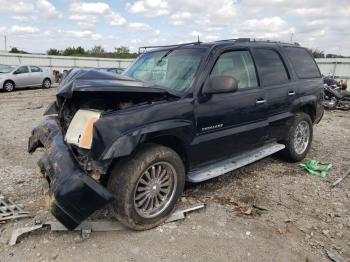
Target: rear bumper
<point>75,194</point>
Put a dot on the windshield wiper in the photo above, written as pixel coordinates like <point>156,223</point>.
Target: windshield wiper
<point>164,56</point>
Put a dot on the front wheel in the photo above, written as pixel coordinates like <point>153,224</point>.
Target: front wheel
<point>47,83</point>
<point>299,138</point>
<point>146,186</point>
<point>9,86</point>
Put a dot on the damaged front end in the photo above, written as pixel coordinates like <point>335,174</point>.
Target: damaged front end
<point>75,194</point>
<point>75,132</point>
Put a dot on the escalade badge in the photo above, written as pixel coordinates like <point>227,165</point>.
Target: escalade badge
<point>212,127</point>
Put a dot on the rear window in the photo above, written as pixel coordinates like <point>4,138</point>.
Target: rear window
<point>271,67</point>
<point>303,63</point>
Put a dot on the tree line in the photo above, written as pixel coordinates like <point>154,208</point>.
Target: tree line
<point>96,51</point>
<point>124,52</point>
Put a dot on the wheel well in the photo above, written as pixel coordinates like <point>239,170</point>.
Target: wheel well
<point>9,80</point>
<point>175,144</point>
<point>310,110</point>
<point>46,78</point>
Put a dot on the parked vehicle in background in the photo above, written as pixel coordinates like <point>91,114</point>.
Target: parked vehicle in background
<point>187,112</point>
<point>21,76</point>
<point>111,70</point>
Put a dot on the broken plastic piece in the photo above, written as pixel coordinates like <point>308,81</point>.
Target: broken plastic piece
<point>315,168</point>
<point>21,231</point>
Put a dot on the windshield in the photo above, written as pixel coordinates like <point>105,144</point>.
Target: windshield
<point>172,70</point>
<point>6,68</point>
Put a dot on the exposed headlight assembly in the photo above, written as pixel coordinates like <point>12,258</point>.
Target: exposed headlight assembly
<point>79,132</point>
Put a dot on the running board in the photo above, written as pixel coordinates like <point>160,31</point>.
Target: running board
<point>222,167</point>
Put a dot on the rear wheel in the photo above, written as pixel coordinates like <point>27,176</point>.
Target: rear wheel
<point>299,138</point>
<point>9,86</point>
<point>146,186</point>
<point>47,83</point>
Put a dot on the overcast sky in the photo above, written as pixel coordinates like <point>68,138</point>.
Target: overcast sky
<point>37,25</point>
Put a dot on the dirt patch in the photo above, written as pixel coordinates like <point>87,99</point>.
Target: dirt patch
<point>303,213</point>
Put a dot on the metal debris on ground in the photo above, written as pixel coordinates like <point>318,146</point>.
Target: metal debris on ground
<point>9,210</point>
<point>341,179</point>
<point>316,168</point>
<point>333,256</point>
<point>181,214</point>
<point>87,227</point>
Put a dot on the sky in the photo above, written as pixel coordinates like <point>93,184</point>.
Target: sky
<point>37,25</point>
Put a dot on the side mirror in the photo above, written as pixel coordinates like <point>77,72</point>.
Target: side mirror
<point>220,84</point>
<point>16,72</point>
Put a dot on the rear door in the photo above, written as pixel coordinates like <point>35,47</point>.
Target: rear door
<point>228,123</point>
<point>280,91</point>
<point>36,75</point>
<point>22,77</point>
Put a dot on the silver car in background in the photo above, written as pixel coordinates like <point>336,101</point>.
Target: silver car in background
<point>12,77</point>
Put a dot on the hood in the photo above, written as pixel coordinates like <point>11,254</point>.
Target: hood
<point>80,80</point>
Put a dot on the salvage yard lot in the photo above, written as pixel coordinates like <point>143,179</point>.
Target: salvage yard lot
<point>304,213</point>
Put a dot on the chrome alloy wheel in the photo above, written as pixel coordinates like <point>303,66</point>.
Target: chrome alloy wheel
<point>9,86</point>
<point>47,83</point>
<point>301,137</point>
<point>155,189</point>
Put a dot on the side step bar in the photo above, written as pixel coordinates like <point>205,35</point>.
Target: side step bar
<point>222,167</point>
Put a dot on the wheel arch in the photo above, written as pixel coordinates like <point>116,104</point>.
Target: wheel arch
<point>173,142</point>
<point>9,80</point>
<point>307,105</point>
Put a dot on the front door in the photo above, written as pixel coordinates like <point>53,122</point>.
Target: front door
<point>229,123</point>
<point>22,77</point>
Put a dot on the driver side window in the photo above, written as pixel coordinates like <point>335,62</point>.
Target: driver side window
<point>237,64</point>
<point>22,70</point>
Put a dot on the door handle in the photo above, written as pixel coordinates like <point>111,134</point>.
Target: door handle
<point>291,93</point>
<point>260,101</point>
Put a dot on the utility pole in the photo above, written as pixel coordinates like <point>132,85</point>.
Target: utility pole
<point>5,40</point>
<point>291,37</point>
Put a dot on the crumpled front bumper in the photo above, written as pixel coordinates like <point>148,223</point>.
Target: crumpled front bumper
<point>75,194</point>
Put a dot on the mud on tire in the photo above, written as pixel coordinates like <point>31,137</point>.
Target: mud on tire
<point>293,152</point>
<point>131,176</point>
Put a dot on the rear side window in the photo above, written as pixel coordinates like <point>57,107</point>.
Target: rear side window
<point>303,63</point>
<point>35,69</point>
<point>272,70</point>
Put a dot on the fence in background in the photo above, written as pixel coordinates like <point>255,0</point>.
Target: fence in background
<point>62,62</point>
<point>337,67</point>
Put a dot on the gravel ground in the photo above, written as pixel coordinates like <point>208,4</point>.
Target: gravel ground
<point>304,213</point>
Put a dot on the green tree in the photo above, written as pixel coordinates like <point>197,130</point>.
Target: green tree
<point>97,51</point>
<point>53,51</point>
<point>317,53</point>
<point>124,52</point>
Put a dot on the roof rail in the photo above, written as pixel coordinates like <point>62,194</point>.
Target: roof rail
<point>244,40</point>
<point>144,48</point>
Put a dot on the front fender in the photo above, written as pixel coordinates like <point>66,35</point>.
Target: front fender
<point>125,144</point>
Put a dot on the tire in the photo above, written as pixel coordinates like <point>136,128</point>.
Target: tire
<point>46,83</point>
<point>296,150</point>
<point>9,86</point>
<point>128,182</point>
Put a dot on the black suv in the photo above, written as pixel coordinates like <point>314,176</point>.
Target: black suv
<point>179,113</point>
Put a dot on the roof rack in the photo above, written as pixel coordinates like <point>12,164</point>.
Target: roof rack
<point>144,48</point>
<point>244,40</point>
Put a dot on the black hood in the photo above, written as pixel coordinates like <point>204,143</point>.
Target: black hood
<point>82,80</point>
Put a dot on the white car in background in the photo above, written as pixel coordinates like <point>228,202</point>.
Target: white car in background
<point>13,77</point>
